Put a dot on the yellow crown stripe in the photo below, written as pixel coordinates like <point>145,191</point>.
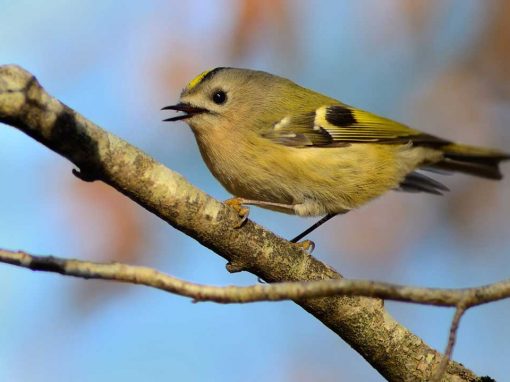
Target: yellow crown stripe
<point>195,81</point>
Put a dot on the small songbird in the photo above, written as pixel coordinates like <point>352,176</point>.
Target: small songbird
<point>275,144</point>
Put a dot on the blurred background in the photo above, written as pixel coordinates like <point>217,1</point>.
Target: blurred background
<point>438,65</point>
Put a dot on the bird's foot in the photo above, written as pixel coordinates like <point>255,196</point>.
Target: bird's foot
<point>238,205</point>
<point>306,245</point>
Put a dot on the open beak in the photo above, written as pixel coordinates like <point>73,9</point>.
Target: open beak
<point>186,108</point>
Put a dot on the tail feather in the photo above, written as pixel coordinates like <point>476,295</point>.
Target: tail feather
<point>472,160</point>
<point>416,182</point>
<point>456,158</point>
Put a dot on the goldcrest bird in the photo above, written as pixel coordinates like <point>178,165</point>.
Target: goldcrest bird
<point>277,145</point>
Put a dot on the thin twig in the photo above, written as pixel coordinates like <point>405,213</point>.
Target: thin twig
<point>267,292</point>
<point>452,337</point>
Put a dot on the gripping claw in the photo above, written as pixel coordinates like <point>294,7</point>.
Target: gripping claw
<point>240,208</point>
<point>306,245</point>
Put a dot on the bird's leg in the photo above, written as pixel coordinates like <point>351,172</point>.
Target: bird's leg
<point>311,229</point>
<point>239,204</point>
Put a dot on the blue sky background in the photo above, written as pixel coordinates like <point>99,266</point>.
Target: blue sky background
<point>118,64</point>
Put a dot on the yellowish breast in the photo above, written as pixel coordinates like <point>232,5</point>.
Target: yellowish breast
<point>337,178</point>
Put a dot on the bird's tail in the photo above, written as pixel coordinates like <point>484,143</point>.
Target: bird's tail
<point>472,160</point>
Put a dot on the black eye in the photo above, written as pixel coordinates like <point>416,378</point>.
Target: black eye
<point>219,97</point>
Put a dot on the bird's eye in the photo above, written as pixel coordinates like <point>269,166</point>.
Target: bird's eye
<point>219,97</point>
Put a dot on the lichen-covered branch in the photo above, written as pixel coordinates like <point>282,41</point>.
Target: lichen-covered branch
<point>389,347</point>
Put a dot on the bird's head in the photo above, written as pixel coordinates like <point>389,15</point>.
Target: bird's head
<point>232,98</point>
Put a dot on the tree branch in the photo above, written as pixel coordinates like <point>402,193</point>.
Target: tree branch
<point>389,347</point>
<point>462,306</point>
<point>462,299</point>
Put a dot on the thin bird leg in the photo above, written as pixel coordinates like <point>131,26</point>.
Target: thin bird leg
<point>313,228</point>
<point>306,245</point>
<point>238,204</point>
<point>266,204</point>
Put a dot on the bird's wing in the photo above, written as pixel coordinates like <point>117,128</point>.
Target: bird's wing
<point>340,125</point>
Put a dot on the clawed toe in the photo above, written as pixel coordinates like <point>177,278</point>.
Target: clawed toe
<point>306,245</point>
<point>242,211</point>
